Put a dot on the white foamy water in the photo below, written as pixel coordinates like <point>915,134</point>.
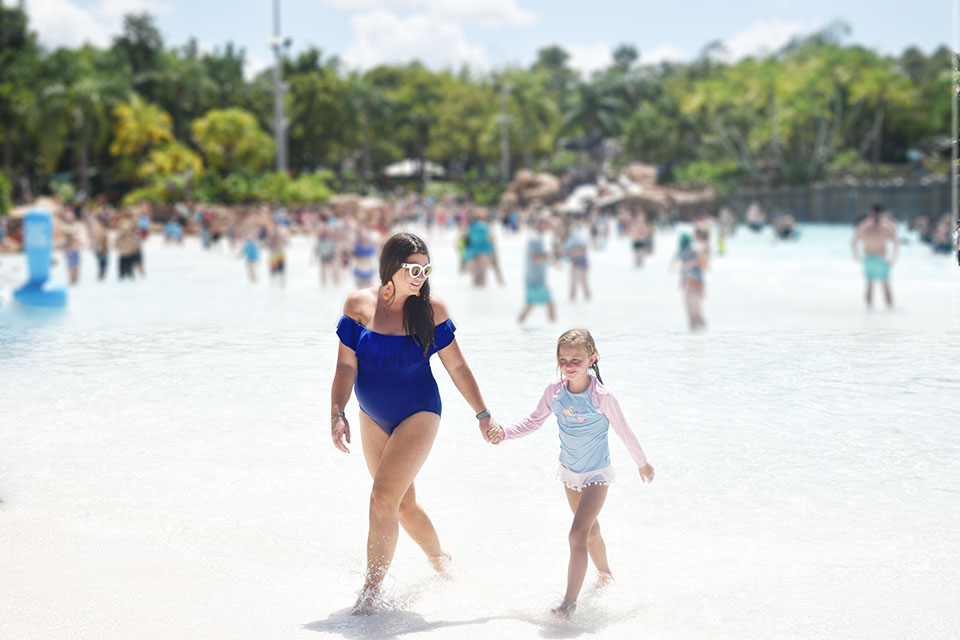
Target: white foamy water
<point>166,467</point>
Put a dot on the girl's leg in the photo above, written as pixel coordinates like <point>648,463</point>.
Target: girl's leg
<point>591,501</point>
<point>400,459</point>
<point>595,545</point>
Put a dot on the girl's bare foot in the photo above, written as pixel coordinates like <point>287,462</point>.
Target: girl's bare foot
<point>367,602</point>
<point>565,610</point>
<point>604,580</point>
<point>441,563</point>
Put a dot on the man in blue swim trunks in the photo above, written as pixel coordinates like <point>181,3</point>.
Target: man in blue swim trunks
<point>874,232</point>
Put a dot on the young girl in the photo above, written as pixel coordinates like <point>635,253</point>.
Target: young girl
<point>584,410</point>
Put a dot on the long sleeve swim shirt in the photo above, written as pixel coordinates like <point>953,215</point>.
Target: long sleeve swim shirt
<point>583,420</point>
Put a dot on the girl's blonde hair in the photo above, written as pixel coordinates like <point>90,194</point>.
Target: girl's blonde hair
<point>581,338</point>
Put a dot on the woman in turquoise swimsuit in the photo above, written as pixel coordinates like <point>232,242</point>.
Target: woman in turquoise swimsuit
<point>387,335</point>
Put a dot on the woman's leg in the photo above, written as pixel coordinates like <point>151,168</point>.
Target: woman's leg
<point>698,310</point>
<point>595,545</point>
<point>591,501</point>
<point>689,299</point>
<point>413,518</point>
<point>403,454</point>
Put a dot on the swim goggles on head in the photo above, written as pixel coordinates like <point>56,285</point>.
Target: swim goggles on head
<point>416,270</point>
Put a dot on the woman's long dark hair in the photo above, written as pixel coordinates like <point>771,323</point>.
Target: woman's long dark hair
<point>417,310</point>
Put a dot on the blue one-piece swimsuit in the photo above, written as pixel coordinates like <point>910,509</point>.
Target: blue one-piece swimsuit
<point>394,380</point>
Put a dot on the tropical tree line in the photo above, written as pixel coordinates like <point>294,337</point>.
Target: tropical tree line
<point>141,119</point>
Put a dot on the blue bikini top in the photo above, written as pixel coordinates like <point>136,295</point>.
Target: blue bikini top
<point>364,251</point>
<point>390,352</point>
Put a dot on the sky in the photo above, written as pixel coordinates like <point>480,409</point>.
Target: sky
<point>492,34</point>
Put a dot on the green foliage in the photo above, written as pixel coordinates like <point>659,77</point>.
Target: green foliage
<point>309,188</point>
<point>485,193</point>
<point>6,195</point>
<point>232,140</point>
<point>720,174</point>
<point>138,127</point>
<point>64,190</point>
<point>240,188</point>
<point>130,115</point>
<point>562,161</point>
<point>161,190</point>
<point>439,189</point>
<point>172,159</point>
<point>848,163</point>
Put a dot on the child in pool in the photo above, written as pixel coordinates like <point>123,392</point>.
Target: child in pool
<point>584,410</point>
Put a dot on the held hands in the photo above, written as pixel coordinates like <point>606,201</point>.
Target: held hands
<point>491,430</point>
<point>338,429</point>
<point>646,472</point>
<point>495,434</point>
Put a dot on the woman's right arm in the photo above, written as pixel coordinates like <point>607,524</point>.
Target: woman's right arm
<point>343,381</point>
<point>345,376</point>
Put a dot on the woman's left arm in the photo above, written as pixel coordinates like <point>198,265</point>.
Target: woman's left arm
<point>456,365</point>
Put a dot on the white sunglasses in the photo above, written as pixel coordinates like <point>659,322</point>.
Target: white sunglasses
<point>416,270</point>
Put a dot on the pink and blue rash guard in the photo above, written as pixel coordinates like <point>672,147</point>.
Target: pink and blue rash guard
<point>583,419</point>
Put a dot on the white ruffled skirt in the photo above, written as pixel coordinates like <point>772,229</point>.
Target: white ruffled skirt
<point>577,481</point>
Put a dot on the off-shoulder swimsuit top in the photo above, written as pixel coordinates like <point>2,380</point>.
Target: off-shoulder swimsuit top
<point>394,380</point>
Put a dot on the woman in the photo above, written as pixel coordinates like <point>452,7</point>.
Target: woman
<point>693,263</point>
<point>479,251</point>
<point>387,335</point>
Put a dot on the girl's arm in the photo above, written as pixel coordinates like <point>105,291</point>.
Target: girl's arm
<point>536,419</point>
<point>611,408</point>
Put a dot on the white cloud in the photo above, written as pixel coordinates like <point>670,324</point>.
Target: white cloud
<point>65,23</point>
<point>587,58</point>
<point>663,53</point>
<point>62,23</point>
<point>438,42</point>
<point>762,37</point>
<point>483,12</point>
<point>252,66</point>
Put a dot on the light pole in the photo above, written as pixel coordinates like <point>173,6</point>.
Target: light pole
<point>504,121</point>
<point>279,45</point>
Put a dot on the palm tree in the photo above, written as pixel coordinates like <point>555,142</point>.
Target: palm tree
<point>594,109</point>
<point>139,127</point>
<point>82,104</point>
<point>369,104</point>
<point>419,96</point>
<point>880,88</point>
<point>535,114</point>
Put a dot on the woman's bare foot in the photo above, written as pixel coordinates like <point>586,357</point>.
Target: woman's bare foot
<point>367,602</point>
<point>604,580</point>
<point>565,610</point>
<point>441,563</point>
